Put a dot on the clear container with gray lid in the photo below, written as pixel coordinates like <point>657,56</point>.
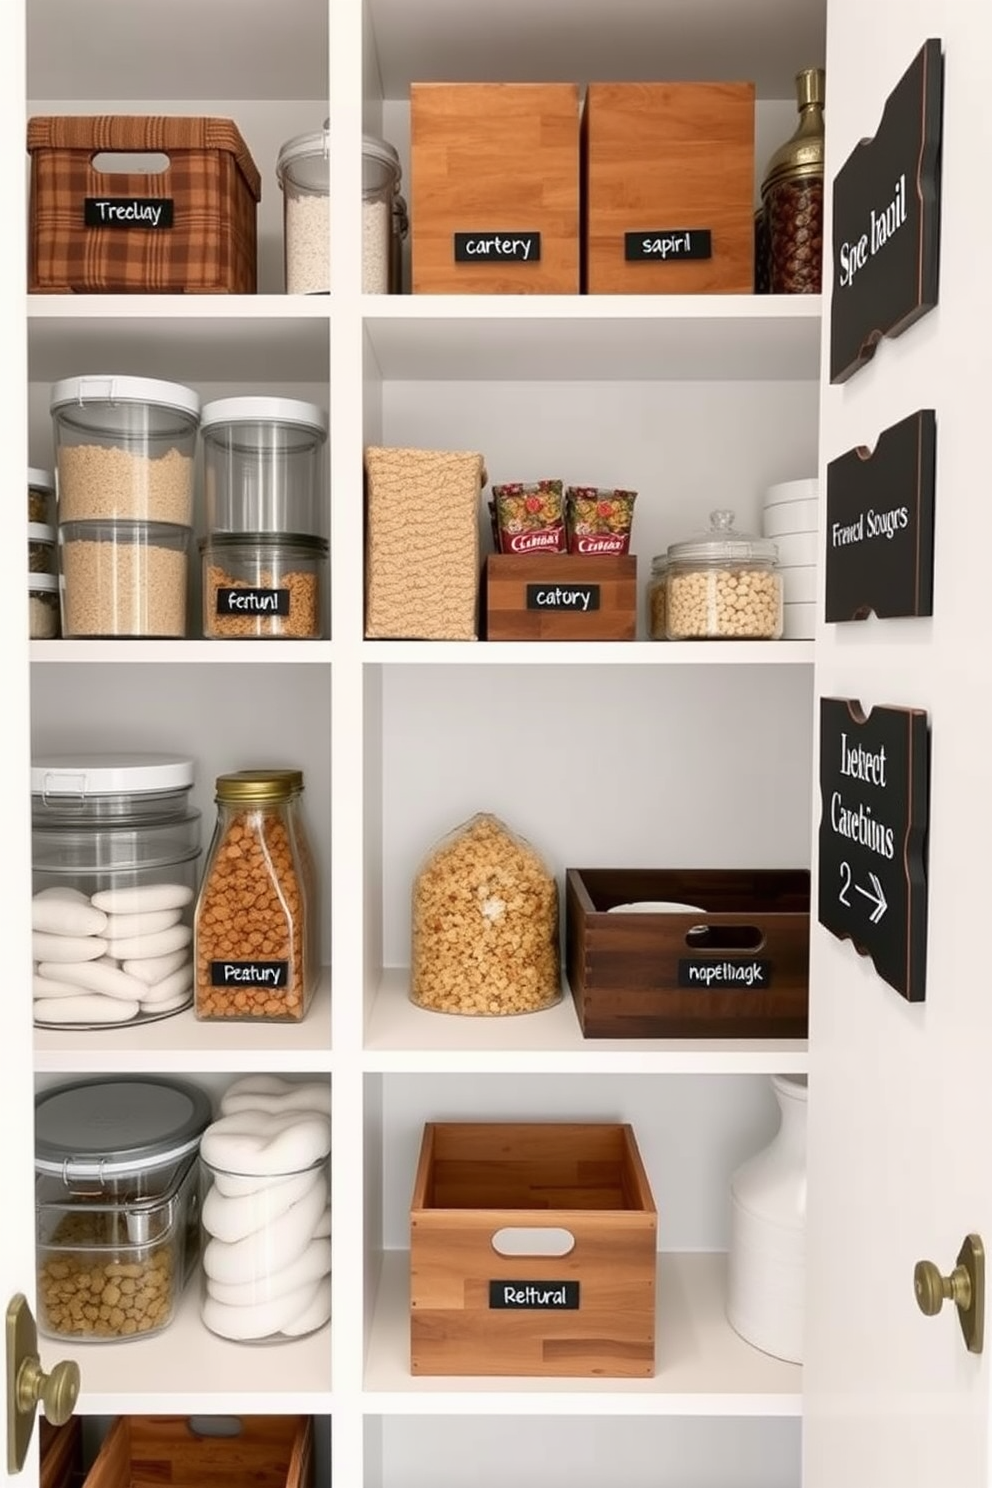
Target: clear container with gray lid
<point>303,170</point>
<point>381,177</point>
<point>116,1202</point>
<point>41,496</point>
<point>263,461</point>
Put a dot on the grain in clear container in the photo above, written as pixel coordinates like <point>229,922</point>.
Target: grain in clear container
<point>723,585</point>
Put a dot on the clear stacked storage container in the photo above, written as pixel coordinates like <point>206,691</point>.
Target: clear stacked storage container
<point>116,1204</point>
<point>124,453</point>
<point>304,174</point>
<point>115,857</point>
<point>264,557</point>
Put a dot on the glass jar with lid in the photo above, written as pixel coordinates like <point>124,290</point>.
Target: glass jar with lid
<point>41,496</point>
<point>304,172</point>
<point>251,932</point>
<point>115,849</point>
<point>792,196</point>
<point>381,175</point>
<point>723,585</point>
<point>656,592</point>
<point>116,1204</point>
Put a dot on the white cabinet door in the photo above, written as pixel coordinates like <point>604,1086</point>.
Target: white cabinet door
<point>900,1094</point>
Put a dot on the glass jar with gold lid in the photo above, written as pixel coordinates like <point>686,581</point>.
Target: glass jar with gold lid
<point>254,945</point>
<point>792,196</point>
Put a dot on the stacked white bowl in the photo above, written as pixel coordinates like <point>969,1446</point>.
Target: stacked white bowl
<point>790,518</point>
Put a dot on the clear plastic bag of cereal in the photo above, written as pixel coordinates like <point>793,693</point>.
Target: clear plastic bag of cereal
<point>485,925</point>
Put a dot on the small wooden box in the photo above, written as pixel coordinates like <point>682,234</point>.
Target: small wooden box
<point>474,1310</point>
<point>664,164</point>
<point>738,970</point>
<point>61,1453</point>
<point>558,597</point>
<point>174,1452</point>
<point>496,164</point>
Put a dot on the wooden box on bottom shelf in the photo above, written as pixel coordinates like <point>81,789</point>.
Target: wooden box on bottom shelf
<point>734,964</point>
<point>571,1290</point>
<point>206,1452</point>
<point>558,597</point>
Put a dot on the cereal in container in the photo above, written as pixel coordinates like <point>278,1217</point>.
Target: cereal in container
<point>485,925</point>
<point>723,585</point>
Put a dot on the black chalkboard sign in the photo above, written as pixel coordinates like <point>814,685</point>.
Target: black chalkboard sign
<point>497,247</point>
<point>874,790</point>
<point>879,537</point>
<point>886,206</point>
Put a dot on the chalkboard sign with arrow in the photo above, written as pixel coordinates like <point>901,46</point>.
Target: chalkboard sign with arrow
<point>874,789</point>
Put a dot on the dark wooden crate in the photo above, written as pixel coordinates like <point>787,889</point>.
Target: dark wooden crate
<point>505,584</point>
<point>182,1452</point>
<point>624,971</point>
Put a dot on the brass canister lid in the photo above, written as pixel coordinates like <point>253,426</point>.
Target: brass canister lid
<point>802,153</point>
<point>258,787</point>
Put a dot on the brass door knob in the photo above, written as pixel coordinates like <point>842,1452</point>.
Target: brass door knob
<point>965,1287</point>
<point>56,1392</point>
<point>28,1385</point>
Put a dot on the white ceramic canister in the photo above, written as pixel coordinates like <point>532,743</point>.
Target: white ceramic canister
<point>767,1280</point>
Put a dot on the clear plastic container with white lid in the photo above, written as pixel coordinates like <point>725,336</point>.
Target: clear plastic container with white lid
<point>381,176</point>
<point>41,548</point>
<point>124,449</point>
<point>263,465</point>
<point>116,1204</point>
<point>41,496</point>
<point>723,585</point>
<point>43,606</point>
<point>304,173</point>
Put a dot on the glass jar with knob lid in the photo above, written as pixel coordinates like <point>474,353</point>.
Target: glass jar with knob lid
<point>723,585</point>
<point>792,196</point>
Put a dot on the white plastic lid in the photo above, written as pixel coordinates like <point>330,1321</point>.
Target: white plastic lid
<point>264,410</point>
<point>108,774</point>
<point>106,388</point>
<point>305,159</point>
<point>40,532</point>
<point>40,480</point>
<point>39,581</point>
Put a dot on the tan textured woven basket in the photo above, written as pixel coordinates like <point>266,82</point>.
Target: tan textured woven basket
<point>212,188</point>
<point>422,544</point>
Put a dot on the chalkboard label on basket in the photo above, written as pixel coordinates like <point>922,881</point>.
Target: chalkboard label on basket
<point>886,215</point>
<point>127,211</point>
<point>880,506</point>
<point>534,1296</point>
<point>667,245</point>
<point>740,975</point>
<point>253,601</point>
<point>874,788</point>
<point>271,974</point>
<point>575,598</point>
<point>498,247</point>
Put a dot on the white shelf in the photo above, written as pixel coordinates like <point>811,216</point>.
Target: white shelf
<point>726,338</point>
<point>588,653</point>
<point>183,338</point>
<point>185,1369</point>
<point>106,49</point>
<point>402,1037</point>
<point>140,652</point>
<point>583,40</point>
<point>182,1045</point>
<point>702,1367</point>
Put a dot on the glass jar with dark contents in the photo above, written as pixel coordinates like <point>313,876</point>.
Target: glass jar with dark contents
<point>792,196</point>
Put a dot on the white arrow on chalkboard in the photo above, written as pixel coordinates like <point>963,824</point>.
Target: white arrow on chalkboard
<point>877,898</point>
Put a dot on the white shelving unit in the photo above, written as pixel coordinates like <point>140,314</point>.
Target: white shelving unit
<point>693,755</point>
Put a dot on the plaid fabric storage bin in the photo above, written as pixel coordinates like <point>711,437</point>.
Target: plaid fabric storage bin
<point>188,229</point>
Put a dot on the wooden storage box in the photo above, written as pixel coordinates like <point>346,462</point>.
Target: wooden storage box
<point>60,1453</point>
<point>190,228</point>
<point>422,544</point>
<point>663,165</point>
<point>475,1310</point>
<point>558,597</point>
<point>494,188</point>
<point>175,1452</point>
<point>738,970</point>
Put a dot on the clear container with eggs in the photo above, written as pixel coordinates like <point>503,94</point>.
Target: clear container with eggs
<point>723,585</point>
<point>115,850</point>
<point>116,1204</point>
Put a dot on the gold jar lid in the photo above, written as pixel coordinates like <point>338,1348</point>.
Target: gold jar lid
<point>258,787</point>
<point>802,154</point>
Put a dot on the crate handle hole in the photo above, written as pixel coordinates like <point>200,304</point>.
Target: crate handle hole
<point>143,163</point>
<point>526,1240</point>
<point>215,1426</point>
<point>725,938</point>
